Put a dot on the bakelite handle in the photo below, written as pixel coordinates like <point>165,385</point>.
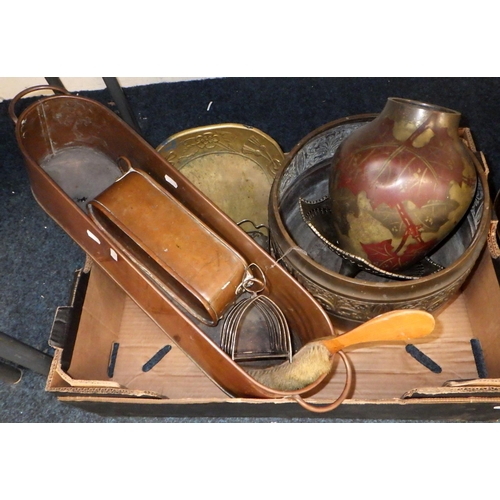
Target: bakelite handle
<point>402,325</point>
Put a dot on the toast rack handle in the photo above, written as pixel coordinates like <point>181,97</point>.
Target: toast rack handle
<point>345,392</point>
<point>29,90</point>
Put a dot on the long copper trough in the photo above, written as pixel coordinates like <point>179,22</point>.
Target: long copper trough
<point>81,141</point>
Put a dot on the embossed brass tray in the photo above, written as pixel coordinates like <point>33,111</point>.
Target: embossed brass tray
<point>234,165</point>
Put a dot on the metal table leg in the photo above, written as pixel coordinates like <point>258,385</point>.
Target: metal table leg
<point>21,354</point>
<point>10,374</point>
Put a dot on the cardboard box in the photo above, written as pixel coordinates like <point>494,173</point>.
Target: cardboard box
<point>112,359</point>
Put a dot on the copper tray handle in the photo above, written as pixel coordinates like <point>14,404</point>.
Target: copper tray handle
<point>494,234</point>
<point>16,99</point>
<point>326,408</point>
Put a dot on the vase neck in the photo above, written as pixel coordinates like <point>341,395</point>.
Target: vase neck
<point>414,114</point>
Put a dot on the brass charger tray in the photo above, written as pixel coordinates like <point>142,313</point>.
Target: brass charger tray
<point>234,165</point>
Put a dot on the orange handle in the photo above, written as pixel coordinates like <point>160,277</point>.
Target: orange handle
<point>15,100</point>
<point>402,325</point>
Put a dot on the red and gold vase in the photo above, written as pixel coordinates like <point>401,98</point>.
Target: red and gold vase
<point>400,184</point>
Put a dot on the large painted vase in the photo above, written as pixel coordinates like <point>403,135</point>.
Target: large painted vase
<point>400,184</point>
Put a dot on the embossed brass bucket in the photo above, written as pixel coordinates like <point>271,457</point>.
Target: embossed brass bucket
<point>233,165</point>
<point>316,266</point>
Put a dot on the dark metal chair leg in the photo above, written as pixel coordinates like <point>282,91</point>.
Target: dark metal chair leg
<point>121,102</point>
<point>54,80</point>
<point>10,374</point>
<point>21,354</point>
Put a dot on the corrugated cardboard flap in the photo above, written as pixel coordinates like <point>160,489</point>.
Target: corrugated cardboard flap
<point>486,389</point>
<point>60,383</point>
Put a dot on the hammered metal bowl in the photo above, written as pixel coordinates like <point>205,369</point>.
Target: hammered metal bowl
<point>312,262</point>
